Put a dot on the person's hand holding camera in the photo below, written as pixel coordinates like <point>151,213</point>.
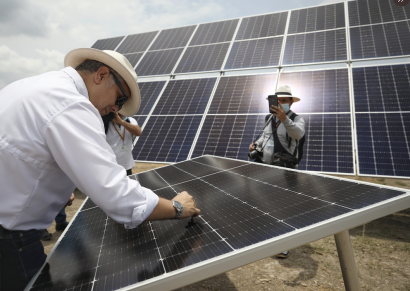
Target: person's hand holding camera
<point>189,205</point>
<point>252,146</point>
<point>279,112</point>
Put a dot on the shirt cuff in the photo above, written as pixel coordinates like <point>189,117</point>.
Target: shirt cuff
<point>287,121</point>
<point>140,213</point>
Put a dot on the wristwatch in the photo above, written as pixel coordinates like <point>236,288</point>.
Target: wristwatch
<point>178,207</point>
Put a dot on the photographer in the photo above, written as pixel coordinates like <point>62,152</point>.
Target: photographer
<point>281,143</point>
<point>119,135</point>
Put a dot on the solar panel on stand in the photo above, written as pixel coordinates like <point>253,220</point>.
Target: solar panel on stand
<point>136,42</point>
<point>203,58</point>
<point>284,209</point>
<point>382,119</point>
<point>158,62</point>
<point>262,26</point>
<point>172,38</point>
<point>214,32</point>
<point>108,43</point>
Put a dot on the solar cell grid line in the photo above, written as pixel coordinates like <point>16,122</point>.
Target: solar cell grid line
<point>167,138</point>
<point>228,135</point>
<point>319,91</point>
<point>381,88</point>
<point>150,91</point>
<point>188,96</point>
<point>214,32</point>
<point>136,42</point>
<point>372,12</point>
<point>329,146</point>
<point>376,156</point>
<point>108,43</point>
<point>243,94</point>
<point>262,26</point>
<point>203,58</point>
<point>317,18</point>
<point>158,62</point>
<point>315,47</point>
<point>173,38</point>
<point>134,58</point>
<point>380,40</point>
<point>255,53</point>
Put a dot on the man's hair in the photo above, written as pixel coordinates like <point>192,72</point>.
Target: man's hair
<point>92,66</point>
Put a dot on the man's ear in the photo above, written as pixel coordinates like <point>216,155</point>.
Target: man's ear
<point>102,74</point>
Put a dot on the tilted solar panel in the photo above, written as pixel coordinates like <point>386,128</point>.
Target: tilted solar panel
<point>243,94</point>
<point>134,58</point>
<point>185,97</point>
<point>158,62</point>
<point>214,32</point>
<point>362,12</point>
<point>149,94</point>
<point>383,144</point>
<point>262,26</point>
<point>380,40</point>
<point>315,47</point>
<point>203,58</point>
<point>172,38</point>
<point>136,42</point>
<point>108,43</point>
<point>167,138</point>
<point>317,18</point>
<point>255,53</point>
<point>284,208</point>
<point>319,91</point>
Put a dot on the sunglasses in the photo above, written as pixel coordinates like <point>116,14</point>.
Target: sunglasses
<point>120,100</point>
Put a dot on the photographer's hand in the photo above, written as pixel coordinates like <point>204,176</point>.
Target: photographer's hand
<point>279,112</point>
<point>251,148</point>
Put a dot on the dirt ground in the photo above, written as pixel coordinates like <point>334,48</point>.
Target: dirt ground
<point>381,249</point>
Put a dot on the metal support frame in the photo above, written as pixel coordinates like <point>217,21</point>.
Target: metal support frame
<point>347,262</point>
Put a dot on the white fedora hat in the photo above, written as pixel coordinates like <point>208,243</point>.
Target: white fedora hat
<point>285,91</point>
<point>117,62</point>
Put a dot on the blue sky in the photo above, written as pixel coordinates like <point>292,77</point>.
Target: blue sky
<point>36,35</point>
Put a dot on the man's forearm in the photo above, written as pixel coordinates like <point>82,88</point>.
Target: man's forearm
<point>133,129</point>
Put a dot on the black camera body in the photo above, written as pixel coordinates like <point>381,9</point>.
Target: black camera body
<point>253,154</point>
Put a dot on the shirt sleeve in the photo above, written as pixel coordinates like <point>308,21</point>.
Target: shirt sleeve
<point>133,121</point>
<point>295,129</point>
<point>76,140</point>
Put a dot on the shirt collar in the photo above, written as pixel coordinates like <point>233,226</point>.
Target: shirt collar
<point>78,81</point>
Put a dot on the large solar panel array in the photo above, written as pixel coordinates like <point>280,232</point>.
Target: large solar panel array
<point>287,45</point>
<point>243,205</point>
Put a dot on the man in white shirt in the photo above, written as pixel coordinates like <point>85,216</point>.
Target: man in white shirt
<point>120,132</point>
<point>52,140</point>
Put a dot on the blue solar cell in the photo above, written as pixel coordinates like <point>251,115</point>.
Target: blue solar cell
<point>255,53</point>
<point>319,91</point>
<point>383,143</point>
<point>243,94</point>
<point>140,119</point>
<point>149,94</point>
<point>317,18</point>
<point>381,40</point>
<point>108,43</point>
<point>167,138</point>
<point>384,88</point>
<point>324,46</point>
<point>262,26</point>
<point>214,32</point>
<point>134,58</point>
<point>172,38</point>
<point>185,97</point>
<point>228,135</point>
<point>328,145</point>
<point>136,42</point>
<point>203,58</point>
<point>158,62</point>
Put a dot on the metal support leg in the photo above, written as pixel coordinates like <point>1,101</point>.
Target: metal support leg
<point>346,259</point>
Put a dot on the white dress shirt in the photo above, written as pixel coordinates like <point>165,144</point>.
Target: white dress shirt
<point>120,140</point>
<point>51,140</point>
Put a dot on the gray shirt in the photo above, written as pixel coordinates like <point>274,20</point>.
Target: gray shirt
<point>295,130</point>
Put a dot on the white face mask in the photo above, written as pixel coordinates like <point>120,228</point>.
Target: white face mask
<point>286,107</point>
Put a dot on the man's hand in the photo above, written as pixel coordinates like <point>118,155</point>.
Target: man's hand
<point>188,203</point>
<point>70,202</point>
<point>279,112</point>
<point>117,119</point>
<point>251,146</point>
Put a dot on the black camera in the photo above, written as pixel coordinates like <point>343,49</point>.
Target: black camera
<point>253,154</point>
